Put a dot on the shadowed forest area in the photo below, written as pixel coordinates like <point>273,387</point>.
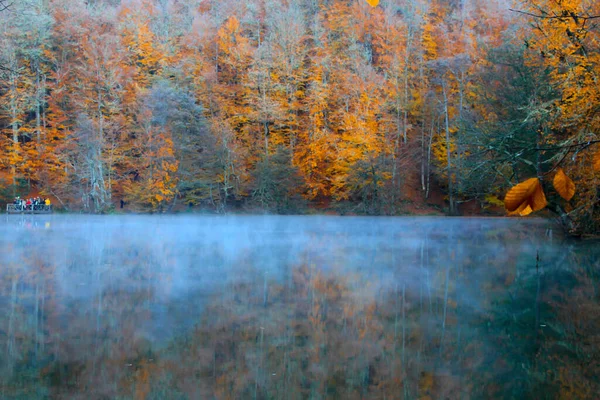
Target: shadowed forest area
<point>351,106</point>
<point>310,307</point>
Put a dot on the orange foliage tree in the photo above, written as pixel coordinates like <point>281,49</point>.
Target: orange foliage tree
<point>365,100</point>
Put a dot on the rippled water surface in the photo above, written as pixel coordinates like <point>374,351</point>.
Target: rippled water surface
<point>244,307</point>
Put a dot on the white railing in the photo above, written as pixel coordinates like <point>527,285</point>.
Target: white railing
<point>39,208</point>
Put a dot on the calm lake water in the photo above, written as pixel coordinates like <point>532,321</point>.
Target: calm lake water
<point>244,307</point>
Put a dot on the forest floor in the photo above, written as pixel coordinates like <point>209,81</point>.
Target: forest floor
<point>413,202</point>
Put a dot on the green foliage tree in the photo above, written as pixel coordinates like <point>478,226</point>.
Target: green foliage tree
<point>501,134</point>
<point>278,183</point>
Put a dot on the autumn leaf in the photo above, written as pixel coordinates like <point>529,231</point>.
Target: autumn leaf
<point>528,210</point>
<point>373,3</point>
<point>597,160</point>
<point>538,200</point>
<point>520,194</point>
<point>525,198</point>
<point>523,210</point>
<point>564,185</point>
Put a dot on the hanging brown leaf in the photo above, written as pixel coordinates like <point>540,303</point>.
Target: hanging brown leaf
<point>597,160</point>
<point>373,3</point>
<point>520,194</point>
<point>525,198</point>
<point>564,185</point>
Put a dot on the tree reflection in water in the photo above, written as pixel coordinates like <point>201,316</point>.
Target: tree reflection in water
<point>454,309</point>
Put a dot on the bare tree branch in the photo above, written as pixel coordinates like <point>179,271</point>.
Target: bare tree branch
<point>561,17</point>
<point>4,5</point>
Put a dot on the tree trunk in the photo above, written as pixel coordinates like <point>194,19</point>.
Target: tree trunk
<point>428,172</point>
<point>15,131</point>
<point>452,207</point>
<point>266,131</point>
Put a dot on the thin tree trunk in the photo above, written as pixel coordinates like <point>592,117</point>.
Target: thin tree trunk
<point>15,131</point>
<point>266,131</point>
<point>406,63</point>
<point>38,107</point>
<point>423,156</point>
<point>448,152</point>
<point>428,172</point>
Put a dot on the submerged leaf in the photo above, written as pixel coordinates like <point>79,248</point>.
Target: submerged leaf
<point>564,185</point>
<point>373,3</point>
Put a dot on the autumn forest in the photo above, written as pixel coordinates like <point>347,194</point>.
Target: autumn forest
<point>216,116</point>
<point>355,106</point>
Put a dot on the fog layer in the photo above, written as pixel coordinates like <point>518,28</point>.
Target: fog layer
<point>316,306</point>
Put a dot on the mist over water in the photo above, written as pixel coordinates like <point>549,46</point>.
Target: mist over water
<point>294,307</point>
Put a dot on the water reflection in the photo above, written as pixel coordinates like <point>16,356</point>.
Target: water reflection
<point>294,308</point>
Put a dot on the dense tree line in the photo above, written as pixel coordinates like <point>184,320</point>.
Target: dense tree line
<point>276,104</point>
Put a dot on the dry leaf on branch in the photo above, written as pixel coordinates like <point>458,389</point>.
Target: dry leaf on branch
<point>564,185</point>
<point>525,198</point>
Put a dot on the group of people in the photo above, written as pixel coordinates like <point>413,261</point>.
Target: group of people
<point>33,203</point>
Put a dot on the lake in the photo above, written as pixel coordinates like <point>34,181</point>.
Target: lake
<point>319,307</point>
